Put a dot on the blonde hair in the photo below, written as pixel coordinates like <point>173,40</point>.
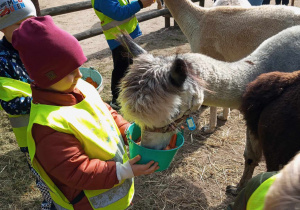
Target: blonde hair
<point>284,194</point>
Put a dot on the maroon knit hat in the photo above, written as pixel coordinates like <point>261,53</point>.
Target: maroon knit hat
<point>48,52</point>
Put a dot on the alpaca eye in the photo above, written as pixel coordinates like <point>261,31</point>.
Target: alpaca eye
<point>176,115</point>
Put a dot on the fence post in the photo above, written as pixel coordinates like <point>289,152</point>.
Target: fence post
<point>201,3</point>
<point>37,7</point>
<point>167,21</point>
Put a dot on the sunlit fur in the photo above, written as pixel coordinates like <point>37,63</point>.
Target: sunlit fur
<point>242,3</point>
<point>150,100</point>
<point>229,33</point>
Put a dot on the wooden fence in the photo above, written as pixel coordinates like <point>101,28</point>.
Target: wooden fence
<point>96,31</point>
<point>144,16</point>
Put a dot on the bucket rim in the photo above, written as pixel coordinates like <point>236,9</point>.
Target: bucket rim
<point>92,69</point>
<point>158,150</point>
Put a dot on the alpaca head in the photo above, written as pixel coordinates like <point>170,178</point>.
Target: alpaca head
<point>157,91</point>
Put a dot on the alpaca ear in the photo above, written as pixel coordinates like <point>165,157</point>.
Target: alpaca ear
<point>134,49</point>
<point>178,73</point>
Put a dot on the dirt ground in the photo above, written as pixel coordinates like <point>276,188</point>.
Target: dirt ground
<point>202,168</point>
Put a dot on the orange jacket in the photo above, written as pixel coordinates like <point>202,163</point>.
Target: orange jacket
<point>62,156</point>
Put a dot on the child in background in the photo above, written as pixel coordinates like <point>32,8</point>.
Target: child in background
<point>75,139</point>
<point>272,190</point>
<point>15,92</point>
<point>116,15</point>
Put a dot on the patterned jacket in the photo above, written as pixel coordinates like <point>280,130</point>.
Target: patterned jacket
<point>11,66</point>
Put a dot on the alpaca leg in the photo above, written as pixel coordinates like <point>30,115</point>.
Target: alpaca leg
<point>252,156</point>
<point>224,116</point>
<point>212,121</point>
<point>159,4</point>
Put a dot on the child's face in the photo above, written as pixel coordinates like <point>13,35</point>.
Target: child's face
<point>8,31</point>
<point>68,83</point>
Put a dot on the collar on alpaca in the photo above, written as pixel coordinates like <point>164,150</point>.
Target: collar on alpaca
<point>168,128</point>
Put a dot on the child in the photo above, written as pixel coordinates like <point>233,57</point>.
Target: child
<point>75,139</point>
<point>272,190</point>
<point>15,93</point>
<point>115,15</point>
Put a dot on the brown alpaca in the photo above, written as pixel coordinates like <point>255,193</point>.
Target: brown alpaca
<point>271,107</point>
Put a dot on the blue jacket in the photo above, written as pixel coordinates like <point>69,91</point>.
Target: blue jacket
<point>114,10</point>
<point>11,66</point>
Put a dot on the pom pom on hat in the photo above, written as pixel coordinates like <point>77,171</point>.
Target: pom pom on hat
<point>47,52</point>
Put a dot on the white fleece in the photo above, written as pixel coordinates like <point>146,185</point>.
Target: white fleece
<point>124,171</point>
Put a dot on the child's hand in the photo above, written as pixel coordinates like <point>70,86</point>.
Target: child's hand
<point>141,169</point>
<point>147,3</point>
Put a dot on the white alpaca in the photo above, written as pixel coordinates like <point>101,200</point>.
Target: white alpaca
<point>226,111</point>
<point>229,33</point>
<point>157,91</point>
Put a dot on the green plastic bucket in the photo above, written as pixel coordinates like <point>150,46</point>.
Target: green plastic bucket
<point>163,157</point>
<point>94,74</point>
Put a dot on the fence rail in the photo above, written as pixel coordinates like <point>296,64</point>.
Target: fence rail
<point>74,7</point>
<point>141,17</point>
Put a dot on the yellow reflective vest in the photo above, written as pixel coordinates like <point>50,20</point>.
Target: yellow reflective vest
<point>112,27</point>
<point>92,124</point>
<point>10,89</point>
<point>257,199</point>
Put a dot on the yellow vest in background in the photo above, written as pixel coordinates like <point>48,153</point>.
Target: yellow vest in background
<point>111,27</point>
<point>92,124</point>
<point>10,89</point>
<point>257,199</point>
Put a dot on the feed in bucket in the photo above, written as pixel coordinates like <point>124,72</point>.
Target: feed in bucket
<point>92,82</point>
<point>163,157</point>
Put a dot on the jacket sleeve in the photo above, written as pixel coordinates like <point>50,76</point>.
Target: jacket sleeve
<point>63,158</point>
<point>120,121</point>
<point>17,106</point>
<point>114,10</point>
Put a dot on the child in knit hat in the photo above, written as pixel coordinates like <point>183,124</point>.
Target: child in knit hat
<point>76,141</point>
<point>15,92</point>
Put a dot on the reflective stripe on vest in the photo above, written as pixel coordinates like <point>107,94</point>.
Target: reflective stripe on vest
<point>10,89</point>
<point>112,195</point>
<point>58,207</point>
<point>115,23</point>
<point>105,199</point>
<point>19,121</point>
<point>257,199</point>
<point>112,27</point>
<point>92,124</point>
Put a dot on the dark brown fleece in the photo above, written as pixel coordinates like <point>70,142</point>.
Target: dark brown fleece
<point>271,107</point>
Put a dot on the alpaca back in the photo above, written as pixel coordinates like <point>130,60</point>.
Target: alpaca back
<point>232,33</point>
<point>271,107</point>
<point>262,91</point>
<point>243,3</point>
